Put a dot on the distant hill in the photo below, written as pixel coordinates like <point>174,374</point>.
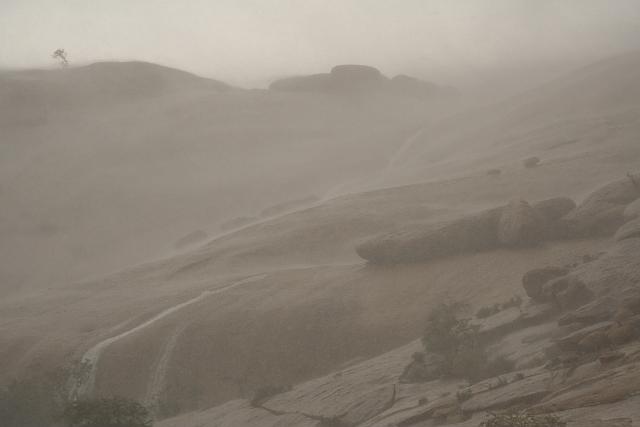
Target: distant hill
<point>576,114</point>
<point>95,84</point>
<point>359,78</point>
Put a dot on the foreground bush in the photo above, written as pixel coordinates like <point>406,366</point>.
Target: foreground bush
<point>459,346</point>
<point>522,420</point>
<point>113,412</point>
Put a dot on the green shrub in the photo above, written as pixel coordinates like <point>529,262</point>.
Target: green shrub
<point>112,412</point>
<point>522,420</point>
<point>459,345</point>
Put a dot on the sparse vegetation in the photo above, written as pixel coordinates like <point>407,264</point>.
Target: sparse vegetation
<point>61,56</point>
<point>459,345</point>
<point>522,420</point>
<point>112,412</point>
<point>494,172</point>
<point>44,400</point>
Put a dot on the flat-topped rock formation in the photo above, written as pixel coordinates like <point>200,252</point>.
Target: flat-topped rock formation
<point>360,78</point>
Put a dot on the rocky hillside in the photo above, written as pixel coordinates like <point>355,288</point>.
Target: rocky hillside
<point>293,296</point>
<point>84,148</point>
<point>572,346</point>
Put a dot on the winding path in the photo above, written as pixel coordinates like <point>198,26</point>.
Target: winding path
<point>92,357</point>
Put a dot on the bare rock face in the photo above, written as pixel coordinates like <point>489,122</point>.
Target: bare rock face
<point>355,73</point>
<point>603,211</point>
<point>611,386</point>
<point>616,273</point>
<point>630,230</point>
<point>520,225</point>
<point>632,211</point>
<point>534,280</point>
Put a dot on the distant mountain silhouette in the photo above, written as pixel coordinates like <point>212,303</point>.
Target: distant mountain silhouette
<point>98,83</point>
<point>359,78</point>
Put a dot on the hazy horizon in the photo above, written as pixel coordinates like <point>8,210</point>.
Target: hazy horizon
<point>249,43</point>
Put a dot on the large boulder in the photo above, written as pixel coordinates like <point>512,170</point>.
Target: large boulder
<point>341,78</point>
<point>356,73</point>
<point>520,225</point>
<point>555,208</point>
<point>534,280</point>
<point>630,230</point>
<point>472,233</point>
<point>602,212</point>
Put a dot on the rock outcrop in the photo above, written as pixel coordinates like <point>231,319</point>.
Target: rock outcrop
<point>602,212</point>
<point>517,224</point>
<point>629,230</point>
<point>472,233</point>
<point>350,78</point>
<point>520,225</point>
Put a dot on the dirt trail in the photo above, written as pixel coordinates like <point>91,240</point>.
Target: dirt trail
<point>92,357</point>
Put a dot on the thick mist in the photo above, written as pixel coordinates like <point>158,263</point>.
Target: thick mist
<point>305,213</point>
<point>249,43</point>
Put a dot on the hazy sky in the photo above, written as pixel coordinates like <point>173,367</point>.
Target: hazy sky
<point>248,42</point>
